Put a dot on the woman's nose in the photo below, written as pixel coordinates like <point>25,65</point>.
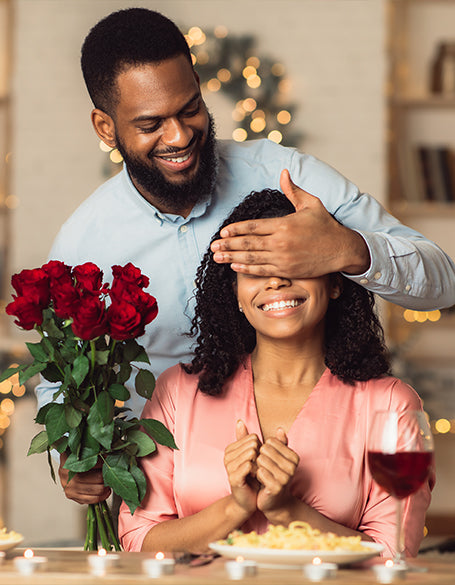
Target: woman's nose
<point>276,282</point>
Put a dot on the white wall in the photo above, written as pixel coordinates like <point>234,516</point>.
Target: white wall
<point>334,53</point>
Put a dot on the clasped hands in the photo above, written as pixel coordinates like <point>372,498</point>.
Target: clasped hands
<point>260,473</point>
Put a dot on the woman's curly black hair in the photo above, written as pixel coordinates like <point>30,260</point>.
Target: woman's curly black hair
<point>354,338</point>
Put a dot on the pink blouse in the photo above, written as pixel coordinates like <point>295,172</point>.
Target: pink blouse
<point>329,435</point>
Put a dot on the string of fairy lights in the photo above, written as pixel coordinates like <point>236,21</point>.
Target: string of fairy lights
<point>259,89</point>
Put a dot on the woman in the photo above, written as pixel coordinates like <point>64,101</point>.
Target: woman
<point>271,416</point>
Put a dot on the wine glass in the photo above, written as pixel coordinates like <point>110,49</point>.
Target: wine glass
<point>400,458</point>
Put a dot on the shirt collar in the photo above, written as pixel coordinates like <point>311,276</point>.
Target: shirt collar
<point>198,210</point>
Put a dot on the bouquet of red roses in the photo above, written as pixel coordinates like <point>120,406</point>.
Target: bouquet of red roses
<point>88,345</point>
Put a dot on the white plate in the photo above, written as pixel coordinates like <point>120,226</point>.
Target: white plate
<point>271,556</point>
<point>7,544</point>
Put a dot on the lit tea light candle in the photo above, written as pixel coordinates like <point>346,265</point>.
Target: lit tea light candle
<point>29,563</point>
<point>102,562</point>
<point>317,570</point>
<point>240,568</point>
<point>389,572</point>
<point>158,566</point>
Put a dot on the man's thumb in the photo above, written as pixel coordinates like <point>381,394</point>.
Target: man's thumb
<point>297,196</point>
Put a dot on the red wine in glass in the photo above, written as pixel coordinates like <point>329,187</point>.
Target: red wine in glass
<point>400,474</point>
<point>400,458</point>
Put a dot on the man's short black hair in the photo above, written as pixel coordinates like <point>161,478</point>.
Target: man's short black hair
<point>133,36</point>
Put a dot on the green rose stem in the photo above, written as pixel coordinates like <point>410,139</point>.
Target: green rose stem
<point>102,529</point>
<point>99,515</point>
<point>109,525</point>
<point>91,538</point>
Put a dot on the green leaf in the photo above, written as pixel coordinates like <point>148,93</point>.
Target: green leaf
<point>105,406</point>
<point>101,357</point>
<point>48,348</point>
<point>80,369</point>
<point>134,352</point>
<point>55,420</point>
<point>103,433</point>
<point>37,352</point>
<point>61,445</point>
<point>159,432</point>
<point>51,465</point>
<point>145,383</point>
<point>124,373</point>
<point>140,480</point>
<point>41,414</point>
<point>52,373</point>
<point>87,461</point>
<point>89,442</point>
<point>117,460</point>
<point>39,443</point>
<point>31,371</point>
<point>119,392</point>
<point>50,327</point>
<point>73,416</point>
<point>122,483</point>
<point>10,372</point>
<point>145,444</point>
<point>75,439</point>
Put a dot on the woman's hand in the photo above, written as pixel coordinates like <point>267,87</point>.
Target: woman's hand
<point>83,488</point>
<point>276,465</point>
<point>240,463</point>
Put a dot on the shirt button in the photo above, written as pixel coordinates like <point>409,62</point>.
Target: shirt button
<point>184,228</point>
<point>407,288</point>
<point>377,276</point>
<point>363,281</point>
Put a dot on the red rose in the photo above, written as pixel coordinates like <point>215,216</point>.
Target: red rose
<point>56,270</point>
<point>144,303</point>
<point>126,278</point>
<point>89,278</point>
<point>90,317</point>
<point>65,297</point>
<point>28,313</point>
<point>128,317</point>
<point>33,285</point>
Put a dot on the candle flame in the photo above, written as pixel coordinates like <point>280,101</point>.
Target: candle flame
<point>28,554</point>
<point>317,561</point>
<point>159,556</point>
<point>239,559</point>
<point>102,552</point>
<point>389,563</point>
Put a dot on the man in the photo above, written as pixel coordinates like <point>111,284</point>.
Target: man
<point>179,183</point>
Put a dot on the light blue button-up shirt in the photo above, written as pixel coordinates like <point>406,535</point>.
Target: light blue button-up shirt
<point>116,225</point>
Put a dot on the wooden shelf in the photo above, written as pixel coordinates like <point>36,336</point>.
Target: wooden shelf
<point>424,101</point>
<point>427,209</point>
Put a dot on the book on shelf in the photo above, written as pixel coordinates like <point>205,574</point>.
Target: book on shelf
<point>428,174</point>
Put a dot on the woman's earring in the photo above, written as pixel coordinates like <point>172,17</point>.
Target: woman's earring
<point>240,309</point>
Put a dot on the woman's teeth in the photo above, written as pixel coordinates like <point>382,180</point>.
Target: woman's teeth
<point>278,305</point>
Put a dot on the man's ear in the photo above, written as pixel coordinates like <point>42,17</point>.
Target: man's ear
<point>104,127</point>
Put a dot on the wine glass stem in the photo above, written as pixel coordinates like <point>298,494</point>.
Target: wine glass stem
<point>399,554</point>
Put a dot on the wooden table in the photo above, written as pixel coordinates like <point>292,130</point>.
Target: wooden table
<point>70,567</point>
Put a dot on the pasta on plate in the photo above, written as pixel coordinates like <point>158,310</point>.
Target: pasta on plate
<point>297,536</point>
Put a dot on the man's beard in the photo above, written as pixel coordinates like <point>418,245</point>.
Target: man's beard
<point>176,197</point>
